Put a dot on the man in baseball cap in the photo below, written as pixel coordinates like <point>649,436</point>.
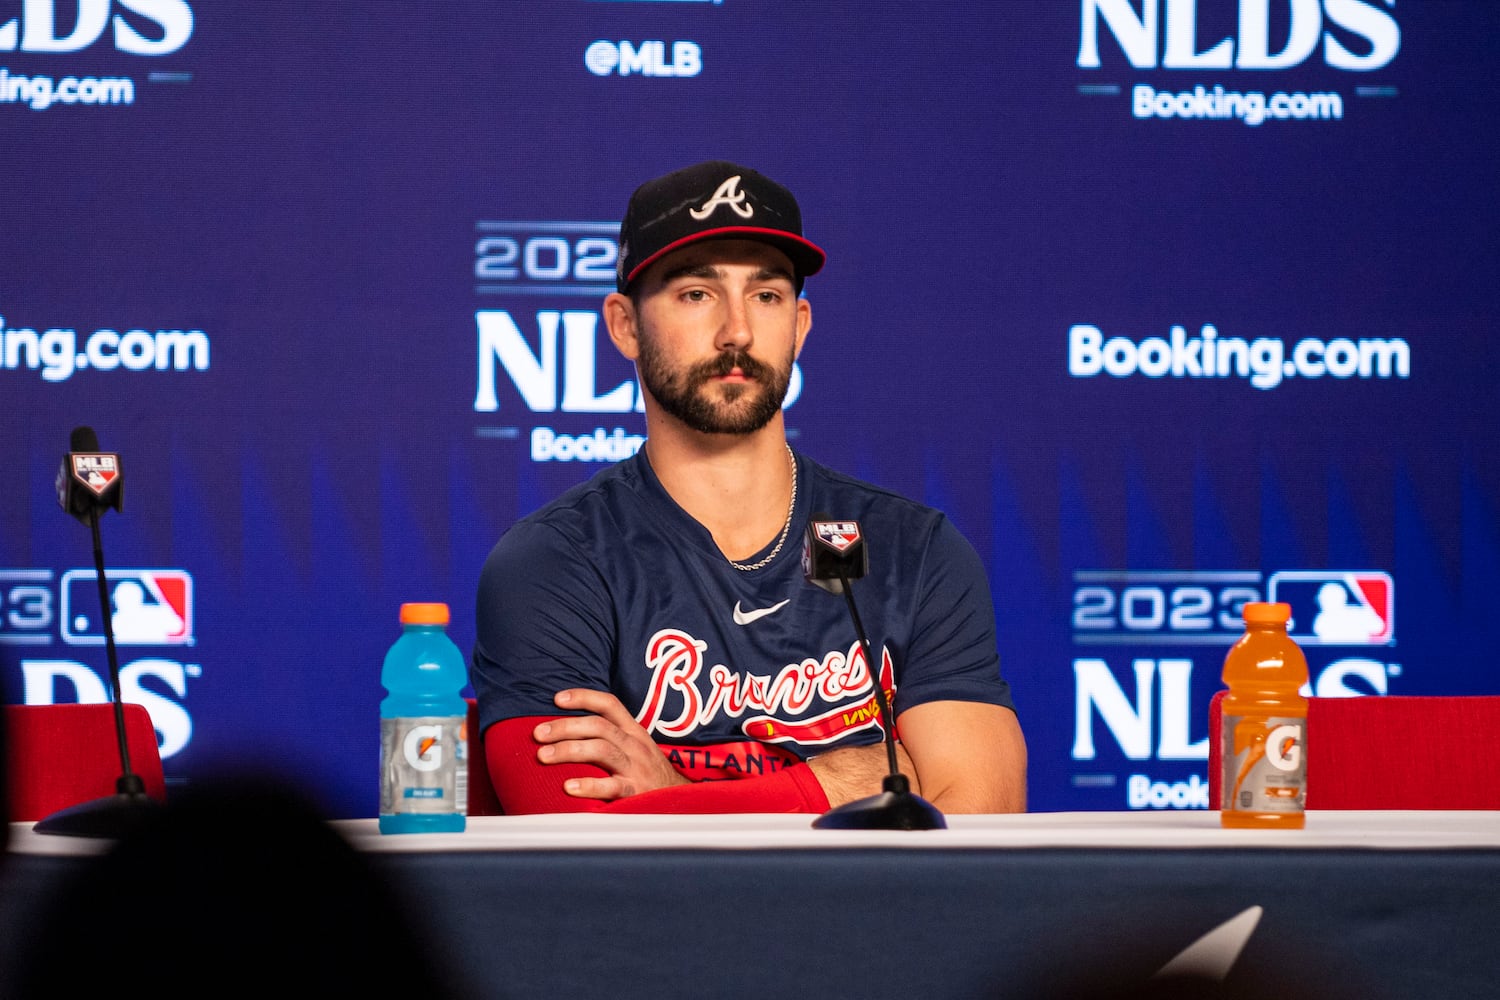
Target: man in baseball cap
<point>713,200</point>
<point>650,641</point>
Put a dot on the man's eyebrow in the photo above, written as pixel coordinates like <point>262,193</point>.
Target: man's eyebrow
<point>770,273</point>
<point>691,270</point>
<point>713,273</point>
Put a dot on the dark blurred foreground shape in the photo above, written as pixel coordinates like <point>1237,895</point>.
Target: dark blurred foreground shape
<point>235,886</point>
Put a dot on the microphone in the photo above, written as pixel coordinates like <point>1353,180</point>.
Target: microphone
<point>89,479</point>
<point>834,553</point>
<point>89,483</point>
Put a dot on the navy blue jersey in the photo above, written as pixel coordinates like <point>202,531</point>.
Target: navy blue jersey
<point>614,587</point>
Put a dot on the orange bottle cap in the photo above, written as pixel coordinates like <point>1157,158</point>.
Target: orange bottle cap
<point>424,614</point>
<point>1267,613</point>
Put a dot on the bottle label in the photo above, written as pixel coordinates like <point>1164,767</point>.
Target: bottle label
<point>1265,764</point>
<point>424,766</point>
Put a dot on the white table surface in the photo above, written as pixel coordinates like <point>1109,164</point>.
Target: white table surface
<point>1371,830</point>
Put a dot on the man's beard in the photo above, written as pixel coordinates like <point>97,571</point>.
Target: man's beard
<point>683,394</point>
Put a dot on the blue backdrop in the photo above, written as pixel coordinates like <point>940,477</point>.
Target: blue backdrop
<point>1169,303</point>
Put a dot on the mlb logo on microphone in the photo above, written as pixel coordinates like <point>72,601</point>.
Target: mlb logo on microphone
<point>1331,608</point>
<point>838,535</point>
<point>148,607</point>
<point>96,471</point>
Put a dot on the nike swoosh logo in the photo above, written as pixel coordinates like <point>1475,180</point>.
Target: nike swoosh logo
<point>746,617</point>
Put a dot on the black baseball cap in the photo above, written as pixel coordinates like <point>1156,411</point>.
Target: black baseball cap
<point>708,201</point>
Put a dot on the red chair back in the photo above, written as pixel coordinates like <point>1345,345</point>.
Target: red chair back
<point>1391,752</point>
<point>482,798</point>
<point>58,756</point>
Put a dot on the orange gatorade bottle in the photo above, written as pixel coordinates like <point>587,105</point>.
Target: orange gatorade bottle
<point>1264,727</point>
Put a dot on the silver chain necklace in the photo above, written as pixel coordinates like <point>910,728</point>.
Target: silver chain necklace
<point>747,567</point>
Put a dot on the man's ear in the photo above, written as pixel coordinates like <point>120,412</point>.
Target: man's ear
<point>804,324</point>
<point>620,321</point>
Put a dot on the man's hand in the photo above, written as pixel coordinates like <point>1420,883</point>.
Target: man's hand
<point>609,738</point>
<point>854,773</point>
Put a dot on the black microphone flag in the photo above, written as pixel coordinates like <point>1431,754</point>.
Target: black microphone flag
<point>89,479</point>
<point>834,551</point>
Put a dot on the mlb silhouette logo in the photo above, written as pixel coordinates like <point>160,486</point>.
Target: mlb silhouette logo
<point>148,607</point>
<point>1331,608</point>
<point>837,535</point>
<point>96,471</point>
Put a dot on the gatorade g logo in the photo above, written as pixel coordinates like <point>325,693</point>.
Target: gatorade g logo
<point>422,748</point>
<point>1265,768</point>
<point>1284,748</point>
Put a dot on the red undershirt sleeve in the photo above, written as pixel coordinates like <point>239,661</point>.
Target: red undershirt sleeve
<point>524,785</point>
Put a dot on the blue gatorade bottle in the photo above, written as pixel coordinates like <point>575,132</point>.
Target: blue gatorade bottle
<point>424,747</point>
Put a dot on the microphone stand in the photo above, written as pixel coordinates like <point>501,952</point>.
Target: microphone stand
<point>116,814</point>
<point>895,807</point>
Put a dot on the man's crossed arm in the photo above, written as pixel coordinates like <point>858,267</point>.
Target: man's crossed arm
<point>961,756</point>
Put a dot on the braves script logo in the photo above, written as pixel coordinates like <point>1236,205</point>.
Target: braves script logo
<point>814,702</point>
<point>729,194</point>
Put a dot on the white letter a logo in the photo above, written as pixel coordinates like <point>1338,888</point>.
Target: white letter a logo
<point>727,194</point>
